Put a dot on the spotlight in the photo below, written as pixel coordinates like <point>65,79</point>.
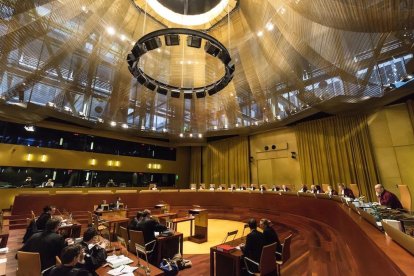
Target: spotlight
<point>124,125</point>
<point>211,49</point>
<point>193,41</point>
<point>152,44</point>
<point>260,33</point>
<point>200,93</point>
<point>150,85</point>
<point>110,30</point>
<point>112,123</point>
<point>100,120</point>
<point>181,135</point>
<point>29,128</point>
<point>188,94</point>
<point>67,109</point>
<point>172,39</point>
<point>191,135</point>
<point>162,90</point>
<point>200,135</point>
<point>164,130</point>
<point>175,93</point>
<point>50,104</point>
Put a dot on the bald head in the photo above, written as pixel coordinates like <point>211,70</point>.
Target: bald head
<point>379,189</point>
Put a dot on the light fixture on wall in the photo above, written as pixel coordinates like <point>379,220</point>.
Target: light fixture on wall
<point>117,163</point>
<point>43,158</point>
<point>92,162</point>
<point>110,163</point>
<point>29,157</point>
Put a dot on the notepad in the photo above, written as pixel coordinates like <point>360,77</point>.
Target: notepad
<point>116,261</point>
<point>122,270</point>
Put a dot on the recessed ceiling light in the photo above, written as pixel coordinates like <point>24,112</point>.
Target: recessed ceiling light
<point>164,130</point>
<point>124,126</point>
<point>200,135</point>
<point>113,123</point>
<point>181,135</point>
<point>110,30</point>
<point>260,33</point>
<point>191,135</point>
<point>123,37</point>
<point>269,26</point>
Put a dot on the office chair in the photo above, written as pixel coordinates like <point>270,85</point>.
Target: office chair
<point>267,265</point>
<point>229,234</point>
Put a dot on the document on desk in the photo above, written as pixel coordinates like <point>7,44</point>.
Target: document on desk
<point>117,261</point>
<point>123,270</point>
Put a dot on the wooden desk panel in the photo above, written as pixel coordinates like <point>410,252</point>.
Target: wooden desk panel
<point>371,252</point>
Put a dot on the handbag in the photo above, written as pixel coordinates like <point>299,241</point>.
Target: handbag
<point>169,267</point>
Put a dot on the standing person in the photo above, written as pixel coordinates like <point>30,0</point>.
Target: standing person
<point>254,242</point>
<point>70,257</point>
<point>48,243</point>
<point>387,198</point>
<point>48,212</point>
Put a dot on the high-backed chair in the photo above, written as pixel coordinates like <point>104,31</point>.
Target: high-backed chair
<point>325,187</point>
<point>267,264</point>
<point>137,238</point>
<point>355,189</point>
<point>229,234</point>
<point>284,256</point>
<point>202,186</point>
<point>244,229</point>
<point>405,197</point>
<point>212,186</point>
<point>123,236</point>
<point>28,264</point>
<point>193,186</point>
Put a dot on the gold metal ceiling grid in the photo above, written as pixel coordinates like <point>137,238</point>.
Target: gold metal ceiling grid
<point>69,57</point>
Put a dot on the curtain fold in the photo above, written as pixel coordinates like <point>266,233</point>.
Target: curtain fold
<point>195,165</point>
<point>337,150</point>
<point>226,162</point>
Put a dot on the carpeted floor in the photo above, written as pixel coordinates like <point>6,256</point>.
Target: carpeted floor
<point>217,231</point>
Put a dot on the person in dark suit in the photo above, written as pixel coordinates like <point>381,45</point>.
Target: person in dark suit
<point>149,226</point>
<point>41,221</point>
<point>135,222</point>
<point>285,188</point>
<point>387,198</point>
<point>345,192</point>
<point>95,254</point>
<point>269,234</point>
<point>304,189</point>
<point>71,255</point>
<point>275,188</point>
<point>262,188</point>
<point>48,243</point>
<point>254,242</point>
<point>331,191</point>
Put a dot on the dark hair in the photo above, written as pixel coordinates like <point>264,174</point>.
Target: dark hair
<point>89,234</point>
<point>47,209</point>
<point>52,224</point>
<point>252,223</point>
<point>145,213</point>
<point>140,214</point>
<point>69,253</point>
<point>266,222</point>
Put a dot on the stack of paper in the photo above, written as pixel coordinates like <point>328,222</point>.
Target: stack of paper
<point>116,261</point>
<point>122,270</point>
<point>4,250</point>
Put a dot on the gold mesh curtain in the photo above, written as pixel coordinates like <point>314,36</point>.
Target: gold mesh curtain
<point>226,161</point>
<point>336,150</point>
<point>195,170</point>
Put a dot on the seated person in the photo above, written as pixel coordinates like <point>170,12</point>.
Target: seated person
<point>275,188</point>
<point>201,187</point>
<point>331,191</point>
<point>48,212</point>
<point>70,257</point>
<point>49,183</point>
<point>252,187</point>
<point>135,222</point>
<point>304,189</point>
<point>345,192</point>
<point>28,183</point>
<point>232,187</point>
<point>149,225</point>
<point>221,188</point>
<point>110,183</point>
<point>154,187</point>
<point>254,242</point>
<point>48,243</point>
<point>95,253</point>
<point>262,188</point>
<point>212,187</point>
<point>102,205</point>
<point>243,188</point>
<point>269,234</point>
<point>387,198</point>
<point>318,189</point>
<point>285,188</point>
<point>118,203</point>
<point>312,189</point>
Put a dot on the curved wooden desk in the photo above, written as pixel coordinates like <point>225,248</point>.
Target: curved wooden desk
<point>326,232</point>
